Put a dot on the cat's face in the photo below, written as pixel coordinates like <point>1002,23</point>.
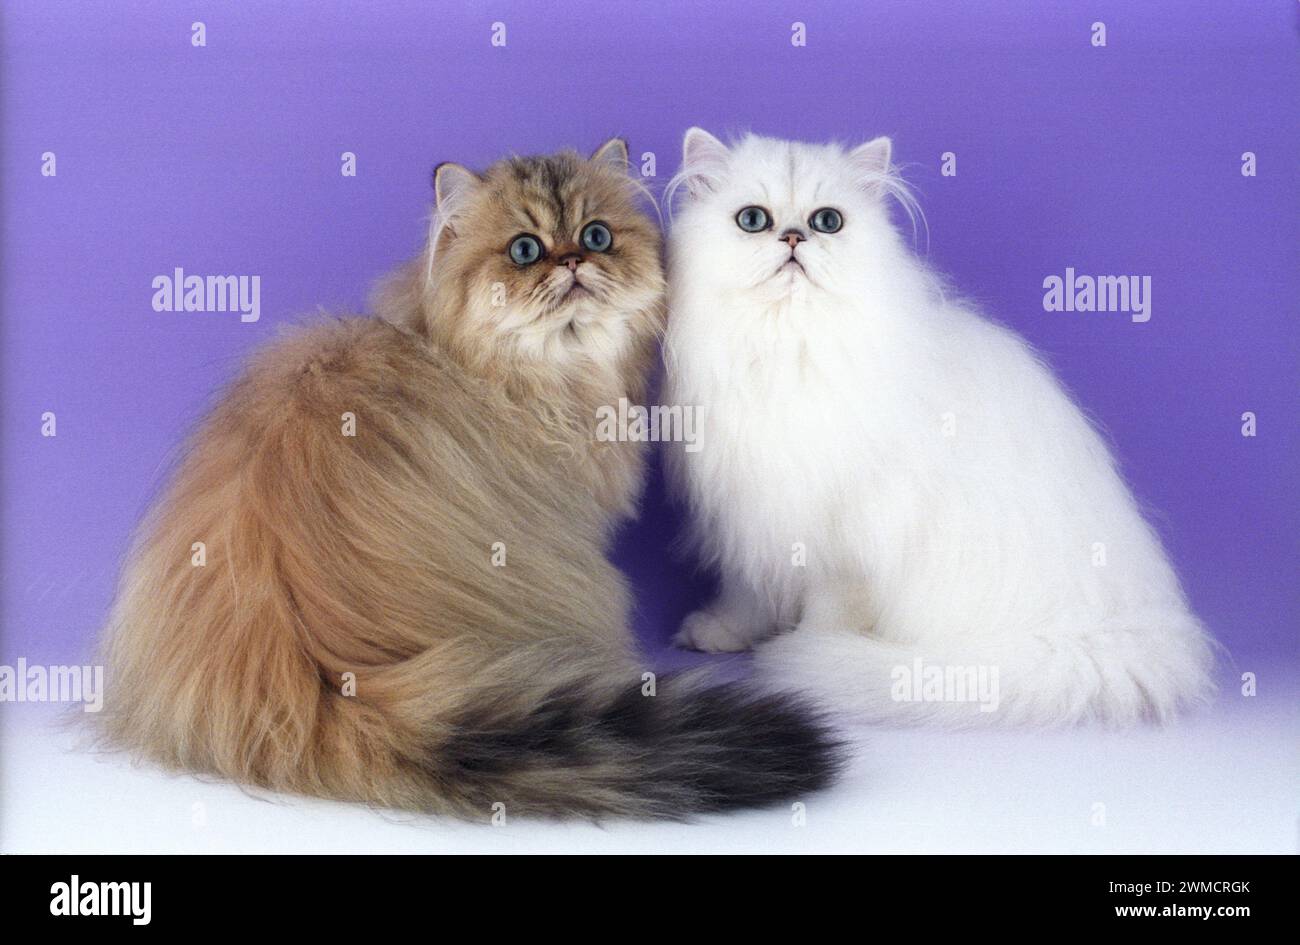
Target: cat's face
<point>766,220</point>
<point>549,258</point>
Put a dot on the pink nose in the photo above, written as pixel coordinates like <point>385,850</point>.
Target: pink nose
<point>793,237</point>
<point>571,260</point>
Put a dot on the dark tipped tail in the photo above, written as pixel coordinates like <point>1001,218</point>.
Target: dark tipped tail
<point>592,750</point>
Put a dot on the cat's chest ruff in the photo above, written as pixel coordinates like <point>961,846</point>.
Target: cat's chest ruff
<point>795,379</point>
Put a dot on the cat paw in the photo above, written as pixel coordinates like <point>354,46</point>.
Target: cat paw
<point>708,633</point>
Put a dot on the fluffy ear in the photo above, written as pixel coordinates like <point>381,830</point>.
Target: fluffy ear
<point>451,185</point>
<point>613,153</point>
<point>872,158</point>
<point>704,158</point>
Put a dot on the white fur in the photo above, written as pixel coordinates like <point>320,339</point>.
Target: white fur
<point>950,498</point>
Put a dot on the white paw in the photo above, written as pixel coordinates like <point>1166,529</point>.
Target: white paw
<point>705,631</point>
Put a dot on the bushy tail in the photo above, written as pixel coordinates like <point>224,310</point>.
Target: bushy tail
<point>1147,666</point>
<point>584,738</point>
<point>549,730</point>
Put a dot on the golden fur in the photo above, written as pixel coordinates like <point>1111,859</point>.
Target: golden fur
<point>372,554</point>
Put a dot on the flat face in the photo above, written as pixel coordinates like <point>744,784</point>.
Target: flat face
<point>552,255</point>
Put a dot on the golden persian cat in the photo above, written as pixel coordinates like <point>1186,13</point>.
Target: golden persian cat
<point>402,595</point>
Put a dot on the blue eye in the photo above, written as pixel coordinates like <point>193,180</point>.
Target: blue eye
<point>597,237</point>
<point>826,220</point>
<point>525,250</point>
<point>753,220</point>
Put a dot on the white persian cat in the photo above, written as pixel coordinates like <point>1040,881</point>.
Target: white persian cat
<point>897,481</point>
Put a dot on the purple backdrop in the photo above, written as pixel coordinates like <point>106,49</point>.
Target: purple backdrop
<point>1124,159</point>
